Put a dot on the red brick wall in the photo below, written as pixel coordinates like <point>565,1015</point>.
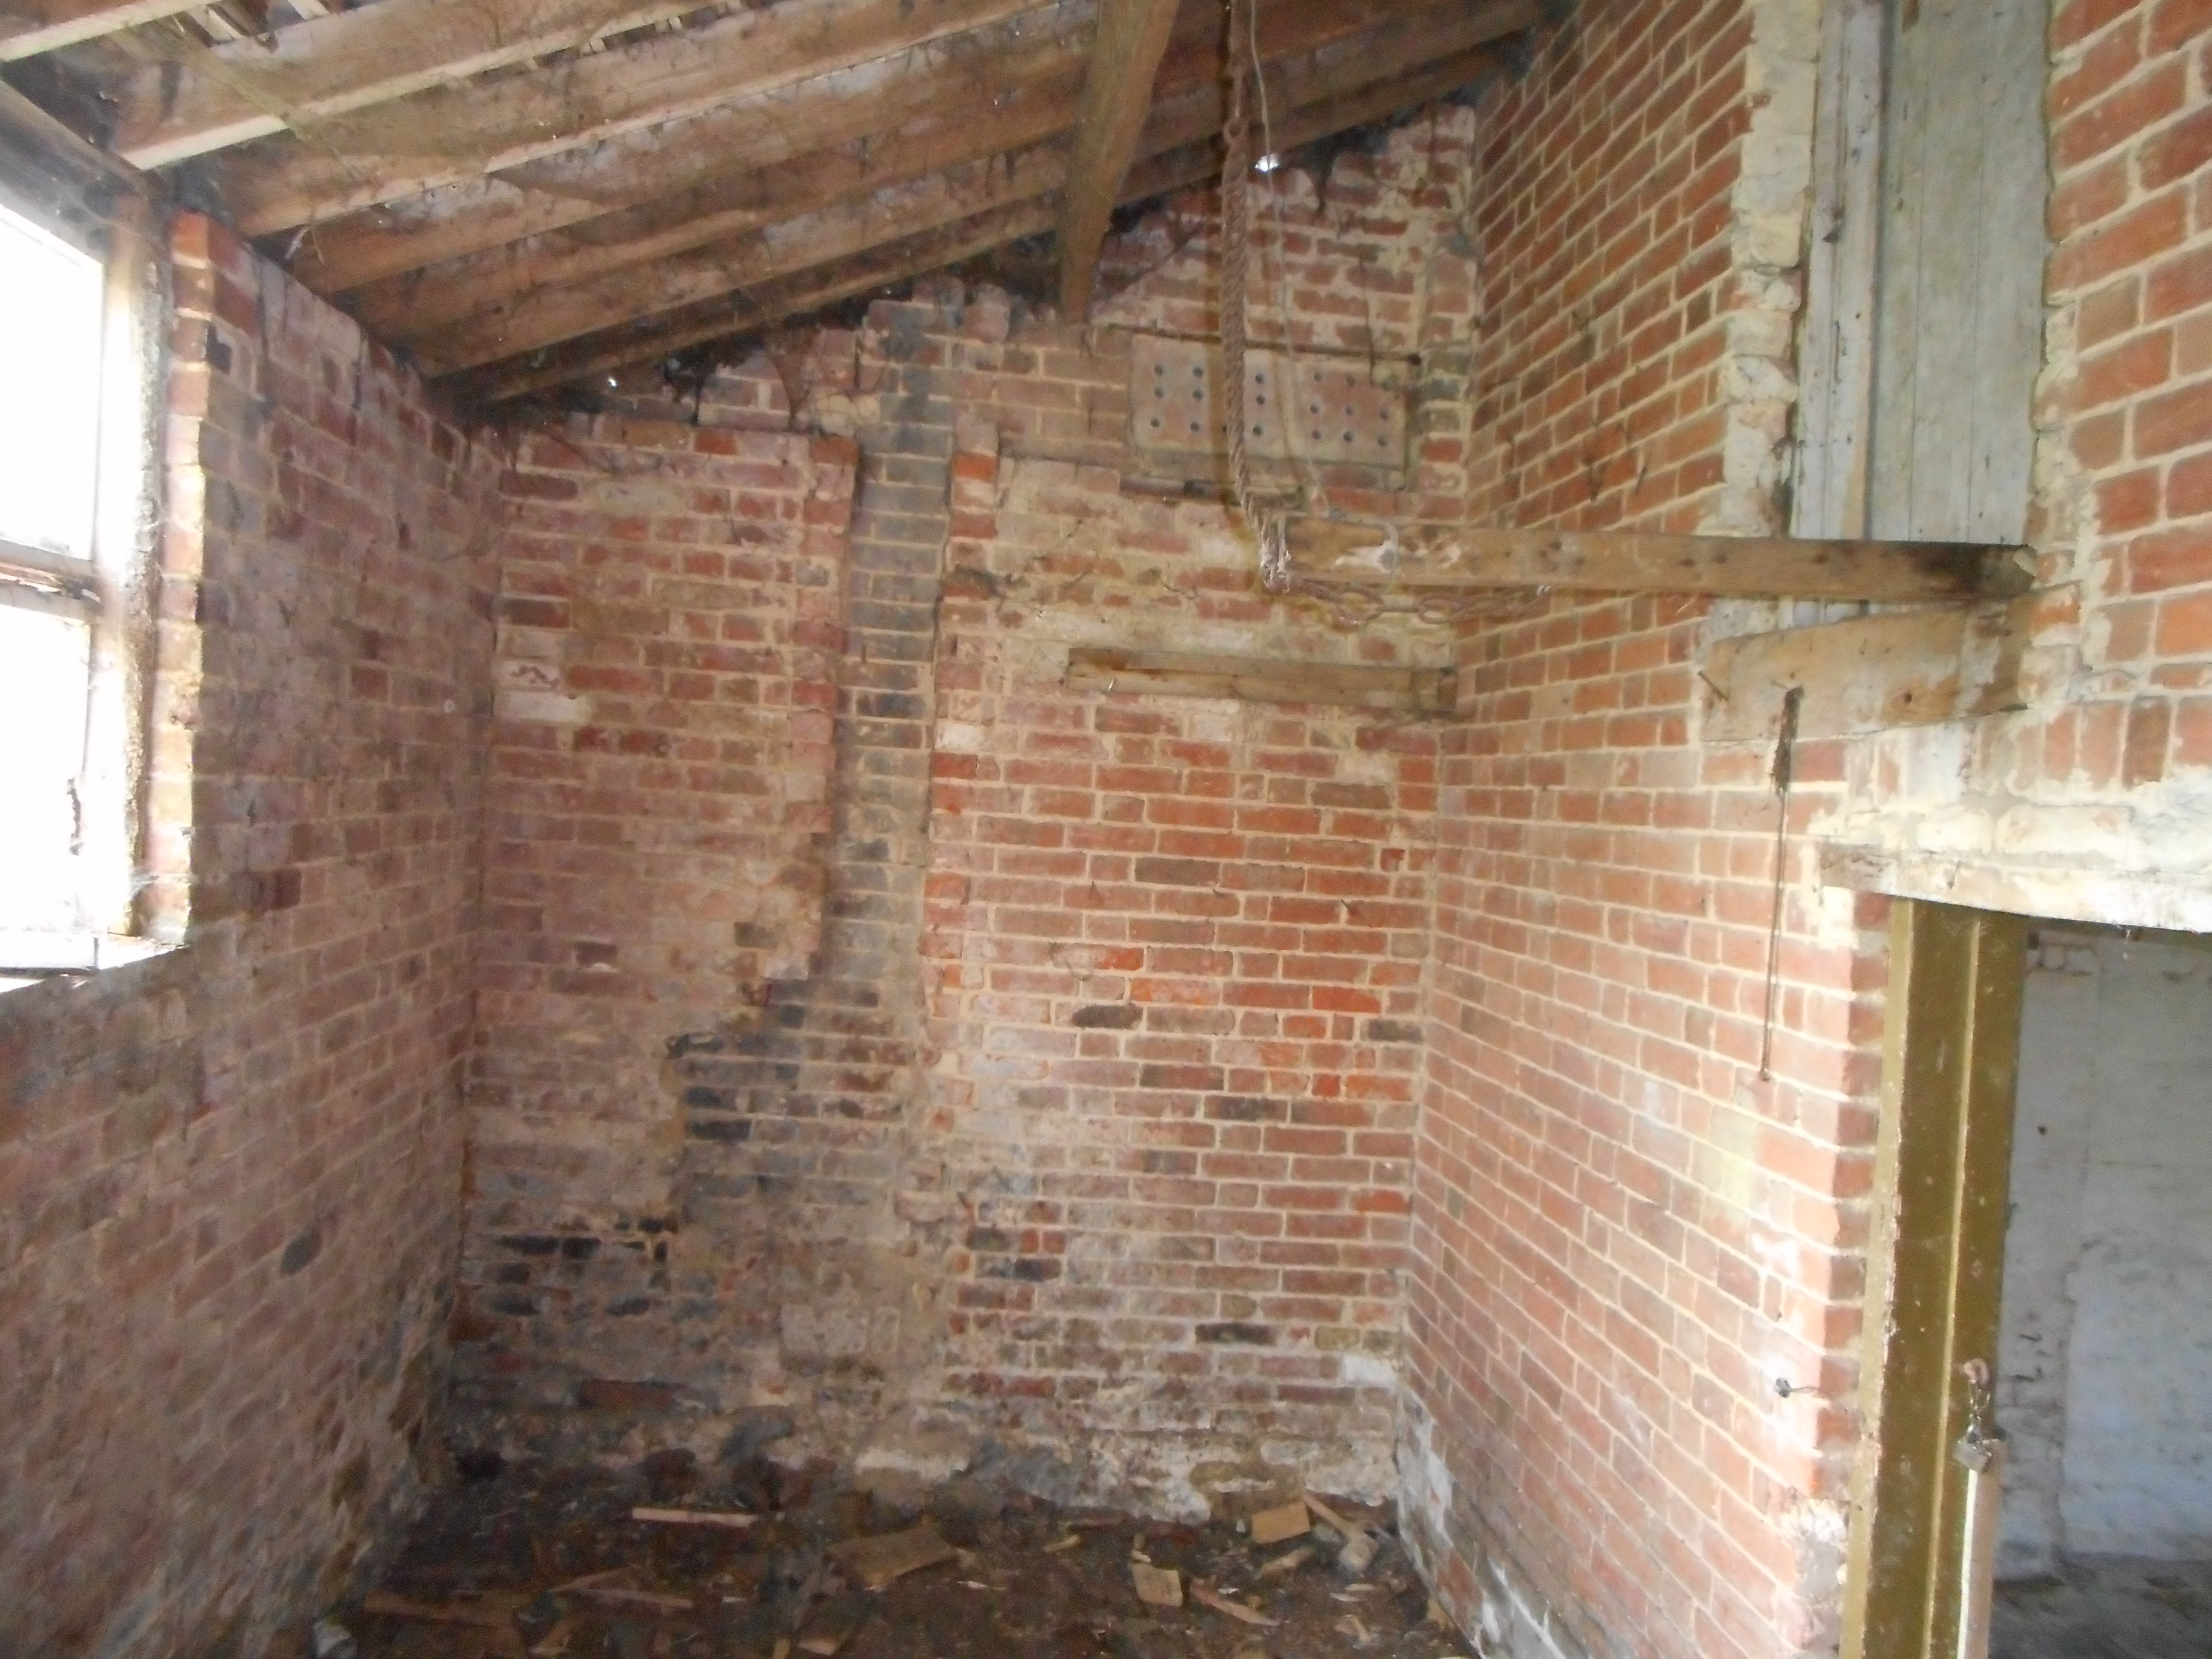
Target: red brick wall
<point>670,622</point>
<point>900,1218</point>
<point>1175,941</point>
<point>1621,1233</point>
<point>1178,946</point>
<point>231,1172</point>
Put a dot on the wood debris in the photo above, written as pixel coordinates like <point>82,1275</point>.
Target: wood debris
<point>1206,1595</point>
<point>493,1613</point>
<point>1066,1543</point>
<point>1157,1587</point>
<point>626,1597</point>
<point>1289,1562</point>
<point>1357,1553</point>
<point>833,1627</point>
<point>1285,1522</point>
<point>876,1562</point>
<point>734,1518</point>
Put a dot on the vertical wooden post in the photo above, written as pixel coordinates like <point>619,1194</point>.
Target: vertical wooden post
<point>1942,1185</point>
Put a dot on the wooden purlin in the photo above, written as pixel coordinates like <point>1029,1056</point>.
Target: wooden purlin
<point>1432,558</point>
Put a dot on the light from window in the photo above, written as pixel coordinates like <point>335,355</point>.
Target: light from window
<point>52,384</point>
<point>49,384</point>
<point>42,658</point>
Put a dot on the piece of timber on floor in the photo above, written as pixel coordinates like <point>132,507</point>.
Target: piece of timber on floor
<point>1254,680</point>
<point>1441,556</point>
<point>1866,673</point>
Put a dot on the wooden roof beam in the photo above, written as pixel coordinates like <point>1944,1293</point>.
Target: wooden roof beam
<point>1433,557</point>
<point>547,316</point>
<point>1025,110</point>
<point>1117,95</point>
<point>465,312</point>
<point>29,28</point>
<point>349,60</point>
<point>880,267</point>
<point>638,338</point>
<point>452,133</point>
<point>958,75</point>
<point>699,154</point>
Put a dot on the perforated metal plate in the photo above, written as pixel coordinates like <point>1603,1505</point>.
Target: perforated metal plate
<point>1339,410</point>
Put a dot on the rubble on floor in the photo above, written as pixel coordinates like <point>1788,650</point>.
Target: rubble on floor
<point>672,1561</point>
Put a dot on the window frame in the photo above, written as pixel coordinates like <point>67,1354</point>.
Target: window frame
<point>112,588</point>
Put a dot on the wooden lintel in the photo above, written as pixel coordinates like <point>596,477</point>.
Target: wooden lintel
<point>1117,95</point>
<point>1259,679</point>
<point>1439,555</point>
<point>1869,673</point>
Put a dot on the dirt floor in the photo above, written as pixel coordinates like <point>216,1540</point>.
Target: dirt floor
<point>518,1562</point>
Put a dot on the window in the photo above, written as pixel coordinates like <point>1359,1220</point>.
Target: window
<point>72,488</point>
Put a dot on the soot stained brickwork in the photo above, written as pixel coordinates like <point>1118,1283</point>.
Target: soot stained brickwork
<point>808,1203</point>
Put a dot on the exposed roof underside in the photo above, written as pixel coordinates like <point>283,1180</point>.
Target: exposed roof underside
<point>520,193</point>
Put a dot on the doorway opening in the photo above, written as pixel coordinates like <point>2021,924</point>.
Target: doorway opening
<point>2043,1226</point>
<point>2104,1377</point>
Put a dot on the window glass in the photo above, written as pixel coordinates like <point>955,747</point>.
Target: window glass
<point>49,384</point>
<point>45,667</point>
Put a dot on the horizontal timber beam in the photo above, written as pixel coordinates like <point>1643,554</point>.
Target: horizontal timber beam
<point>1261,680</point>
<point>1869,673</point>
<point>1433,556</point>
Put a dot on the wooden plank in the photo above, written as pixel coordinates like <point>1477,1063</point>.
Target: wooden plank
<point>350,60</point>
<point>626,339</point>
<point>876,1562</point>
<point>1258,679</point>
<point>1959,312</point>
<point>750,137</point>
<point>29,28</point>
<point>1117,96</point>
<point>452,133</point>
<point>472,294</point>
<point>1629,562</point>
<point>1838,369</point>
<point>1869,673</point>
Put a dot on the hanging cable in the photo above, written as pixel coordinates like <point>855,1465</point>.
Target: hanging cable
<point>1785,766</point>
